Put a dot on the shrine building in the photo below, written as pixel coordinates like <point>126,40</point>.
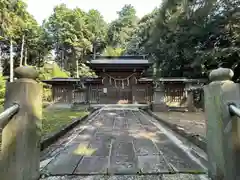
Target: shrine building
<point>123,80</point>
<point>119,79</point>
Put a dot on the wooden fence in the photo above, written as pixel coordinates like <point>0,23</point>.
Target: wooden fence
<point>79,96</point>
<point>69,95</point>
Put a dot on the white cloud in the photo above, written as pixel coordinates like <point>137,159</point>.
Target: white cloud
<point>41,9</point>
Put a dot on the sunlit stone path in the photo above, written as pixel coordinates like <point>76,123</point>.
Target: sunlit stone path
<point>121,141</point>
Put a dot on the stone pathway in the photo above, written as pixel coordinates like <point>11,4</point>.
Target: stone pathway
<point>121,141</point>
<point>192,122</point>
<point>161,177</point>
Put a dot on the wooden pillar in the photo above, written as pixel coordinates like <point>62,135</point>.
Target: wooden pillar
<point>223,130</point>
<point>134,94</point>
<point>86,93</point>
<point>98,94</point>
<point>71,95</point>
<point>53,93</point>
<point>90,94</point>
<point>20,157</point>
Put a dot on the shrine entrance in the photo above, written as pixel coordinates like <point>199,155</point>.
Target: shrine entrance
<point>118,79</point>
<point>118,89</point>
<point>126,94</point>
<point>116,96</point>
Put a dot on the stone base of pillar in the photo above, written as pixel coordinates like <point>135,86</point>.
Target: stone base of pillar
<point>159,108</point>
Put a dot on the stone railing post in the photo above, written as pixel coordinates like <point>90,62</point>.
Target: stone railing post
<point>20,156</point>
<point>223,130</point>
<point>158,98</point>
<point>190,101</point>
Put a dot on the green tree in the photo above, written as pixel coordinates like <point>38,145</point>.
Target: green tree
<point>73,33</point>
<point>121,29</point>
<point>190,36</point>
<point>96,25</point>
<point>21,36</point>
<point>141,34</point>
<point>10,24</point>
<point>110,51</point>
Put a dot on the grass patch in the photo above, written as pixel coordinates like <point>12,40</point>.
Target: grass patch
<point>54,119</point>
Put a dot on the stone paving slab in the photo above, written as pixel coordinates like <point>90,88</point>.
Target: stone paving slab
<point>123,164</point>
<point>122,148</point>
<point>64,164</point>
<point>162,177</point>
<point>101,145</point>
<point>92,164</point>
<point>145,147</point>
<point>177,158</point>
<point>125,141</point>
<point>191,126</point>
<point>153,164</point>
<point>191,122</point>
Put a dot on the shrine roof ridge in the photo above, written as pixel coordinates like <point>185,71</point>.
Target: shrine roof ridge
<point>122,57</point>
<point>119,61</point>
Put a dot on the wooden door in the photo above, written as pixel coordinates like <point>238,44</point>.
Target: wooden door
<point>94,95</point>
<point>125,94</point>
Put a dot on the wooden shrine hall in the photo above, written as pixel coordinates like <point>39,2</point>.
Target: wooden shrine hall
<point>123,80</point>
<point>119,79</point>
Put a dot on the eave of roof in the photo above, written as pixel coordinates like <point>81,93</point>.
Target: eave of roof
<point>145,80</point>
<point>181,80</point>
<point>63,80</point>
<point>120,61</point>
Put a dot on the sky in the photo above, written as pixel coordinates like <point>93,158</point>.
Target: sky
<point>42,9</point>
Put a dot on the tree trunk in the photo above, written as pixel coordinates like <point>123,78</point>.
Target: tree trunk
<point>77,68</point>
<point>25,57</point>
<point>22,49</point>
<point>94,52</point>
<point>1,68</point>
<point>11,60</point>
<point>39,59</point>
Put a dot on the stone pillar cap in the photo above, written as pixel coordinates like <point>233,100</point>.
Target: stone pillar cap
<point>221,74</point>
<point>28,72</point>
